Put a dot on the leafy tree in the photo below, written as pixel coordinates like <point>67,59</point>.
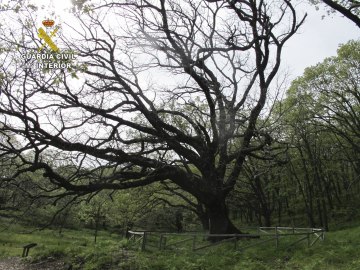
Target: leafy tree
<point>333,85</point>
<point>259,190</point>
<point>321,124</point>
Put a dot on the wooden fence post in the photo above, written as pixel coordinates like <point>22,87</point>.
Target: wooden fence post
<point>161,241</point>
<point>193,243</point>
<point>143,244</point>
<point>308,239</point>
<point>164,243</point>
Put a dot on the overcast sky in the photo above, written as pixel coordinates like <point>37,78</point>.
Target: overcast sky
<point>317,39</point>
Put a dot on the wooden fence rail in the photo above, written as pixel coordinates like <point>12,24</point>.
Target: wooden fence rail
<point>162,240</point>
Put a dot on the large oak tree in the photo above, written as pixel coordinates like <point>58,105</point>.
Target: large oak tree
<point>163,91</point>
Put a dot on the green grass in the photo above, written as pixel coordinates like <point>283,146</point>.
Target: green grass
<point>340,250</point>
<point>73,246</point>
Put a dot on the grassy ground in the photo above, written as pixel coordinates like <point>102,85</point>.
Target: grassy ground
<point>74,246</point>
<point>340,250</point>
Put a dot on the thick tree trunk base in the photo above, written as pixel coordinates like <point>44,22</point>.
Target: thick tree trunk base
<point>219,222</point>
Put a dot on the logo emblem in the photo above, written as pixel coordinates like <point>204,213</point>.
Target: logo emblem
<point>47,38</point>
<point>48,23</point>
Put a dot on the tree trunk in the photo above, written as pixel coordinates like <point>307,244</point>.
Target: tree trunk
<point>203,216</point>
<point>267,217</point>
<point>219,221</point>
<point>204,219</point>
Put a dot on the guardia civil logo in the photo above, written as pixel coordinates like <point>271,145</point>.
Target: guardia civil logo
<point>47,38</point>
<point>48,55</point>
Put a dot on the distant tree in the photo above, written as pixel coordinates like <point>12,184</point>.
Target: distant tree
<point>333,87</point>
<point>213,65</point>
<point>321,124</point>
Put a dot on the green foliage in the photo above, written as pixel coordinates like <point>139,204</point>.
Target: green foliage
<point>319,123</point>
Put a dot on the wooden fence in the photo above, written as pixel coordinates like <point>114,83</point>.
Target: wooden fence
<point>198,241</point>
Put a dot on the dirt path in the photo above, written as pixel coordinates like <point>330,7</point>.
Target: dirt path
<point>17,264</point>
<point>12,264</point>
